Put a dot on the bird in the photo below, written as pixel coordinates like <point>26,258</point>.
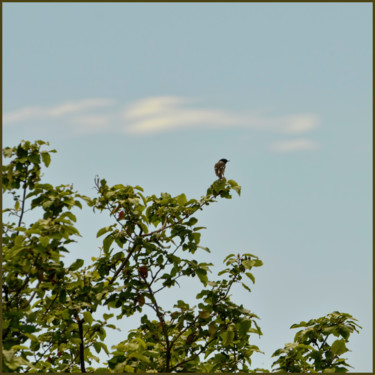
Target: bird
<point>220,168</point>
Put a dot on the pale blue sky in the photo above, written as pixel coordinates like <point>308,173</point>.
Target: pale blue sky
<point>155,94</point>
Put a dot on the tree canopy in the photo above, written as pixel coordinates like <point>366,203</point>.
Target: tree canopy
<point>53,319</point>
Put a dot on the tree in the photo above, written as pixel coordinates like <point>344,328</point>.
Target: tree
<point>53,318</point>
<point>311,352</point>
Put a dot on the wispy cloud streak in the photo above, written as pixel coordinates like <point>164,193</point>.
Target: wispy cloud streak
<point>294,145</point>
<point>68,108</point>
<point>162,114</point>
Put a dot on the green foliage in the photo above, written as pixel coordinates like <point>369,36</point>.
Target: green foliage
<point>191,339</point>
<point>51,310</point>
<point>311,351</point>
<point>24,168</point>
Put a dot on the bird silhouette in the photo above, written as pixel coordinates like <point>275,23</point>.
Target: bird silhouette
<point>220,168</point>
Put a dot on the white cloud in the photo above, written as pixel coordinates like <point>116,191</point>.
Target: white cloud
<point>294,145</point>
<point>297,124</point>
<point>168,113</point>
<point>152,106</point>
<point>160,114</point>
<point>68,108</point>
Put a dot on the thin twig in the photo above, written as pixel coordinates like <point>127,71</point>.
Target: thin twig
<point>165,263</point>
<point>42,354</point>
<point>122,265</point>
<point>194,355</point>
<point>23,201</point>
<point>163,227</point>
<point>33,295</point>
<point>50,306</point>
<point>162,323</point>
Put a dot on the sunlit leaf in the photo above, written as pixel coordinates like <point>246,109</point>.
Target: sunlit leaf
<point>76,265</point>
<point>46,158</point>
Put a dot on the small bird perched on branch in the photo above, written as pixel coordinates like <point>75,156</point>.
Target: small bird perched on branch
<point>220,168</point>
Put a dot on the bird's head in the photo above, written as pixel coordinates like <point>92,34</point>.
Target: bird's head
<point>224,160</point>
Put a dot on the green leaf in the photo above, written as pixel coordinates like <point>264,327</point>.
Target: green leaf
<point>234,185</point>
<point>104,346</point>
<point>19,240</point>
<point>205,248</point>
<point>237,189</point>
<point>192,221</point>
<point>103,369</point>
<point>35,346</point>
<point>202,274</point>
<point>34,158</point>
<point>107,316</point>
<point>97,347</point>
<point>40,142</point>
<point>212,329</point>
<point>78,204</point>
<point>338,347</point>
<point>107,242</point>
<point>88,317</point>
<point>47,204</point>
<point>196,237</point>
<point>66,314</point>
<point>144,227</point>
<point>181,199</point>
<point>248,264</point>
<point>44,241</point>
<point>70,215</point>
<point>75,340</point>
<point>103,230</point>
<point>246,287</point>
<point>213,283</point>
<point>7,152</point>
<point>62,296</point>
<point>13,361</point>
<point>229,256</point>
<point>298,325</point>
<point>204,314</point>
<point>223,272</point>
<point>227,337</point>
<point>77,264</point>
<point>139,356</point>
<point>134,201</point>
<point>250,276</point>
<point>198,228</point>
<point>46,158</point>
<point>330,330</point>
<point>244,327</point>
